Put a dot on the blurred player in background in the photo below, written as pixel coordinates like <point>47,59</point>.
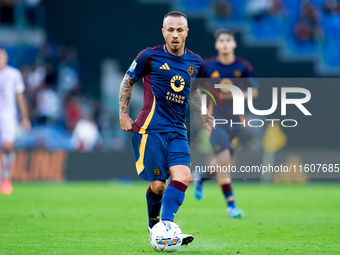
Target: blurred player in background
<point>226,68</point>
<point>11,93</point>
<point>159,135</point>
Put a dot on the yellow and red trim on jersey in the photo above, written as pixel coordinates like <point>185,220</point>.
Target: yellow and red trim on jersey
<point>148,119</point>
<point>140,162</point>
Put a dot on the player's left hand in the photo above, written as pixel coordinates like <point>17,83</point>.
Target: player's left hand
<point>26,124</point>
<point>209,121</point>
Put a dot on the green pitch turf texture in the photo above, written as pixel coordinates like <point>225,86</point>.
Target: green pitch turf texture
<point>110,218</point>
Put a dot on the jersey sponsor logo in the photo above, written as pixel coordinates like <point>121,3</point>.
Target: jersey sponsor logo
<point>165,67</point>
<point>157,171</point>
<point>191,70</point>
<point>177,80</point>
<point>133,66</point>
<point>215,74</point>
<point>237,73</point>
<point>174,97</point>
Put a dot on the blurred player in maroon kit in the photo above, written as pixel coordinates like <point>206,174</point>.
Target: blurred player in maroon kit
<point>226,68</point>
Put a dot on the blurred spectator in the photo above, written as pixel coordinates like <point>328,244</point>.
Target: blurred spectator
<point>264,14</point>
<point>304,30</point>
<point>331,7</point>
<point>86,135</point>
<point>67,81</point>
<point>331,37</point>
<point>72,111</point>
<point>34,77</point>
<point>223,9</point>
<point>47,105</point>
<point>309,12</point>
<point>68,77</point>
<point>258,9</point>
<point>50,55</point>
<point>308,25</point>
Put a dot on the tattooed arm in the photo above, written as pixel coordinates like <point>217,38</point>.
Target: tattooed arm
<point>195,101</point>
<point>125,93</point>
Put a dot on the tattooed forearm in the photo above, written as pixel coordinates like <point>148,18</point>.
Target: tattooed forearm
<point>195,100</point>
<point>125,94</point>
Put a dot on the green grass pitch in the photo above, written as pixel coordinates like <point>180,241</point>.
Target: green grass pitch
<point>110,218</point>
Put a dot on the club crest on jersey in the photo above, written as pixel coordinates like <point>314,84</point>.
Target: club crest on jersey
<point>191,70</point>
<point>237,73</point>
<point>215,74</point>
<point>175,81</point>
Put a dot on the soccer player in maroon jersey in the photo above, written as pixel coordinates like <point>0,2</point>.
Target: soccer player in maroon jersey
<point>159,135</point>
<point>229,69</point>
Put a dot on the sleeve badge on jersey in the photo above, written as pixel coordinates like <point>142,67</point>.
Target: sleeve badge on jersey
<point>191,70</point>
<point>133,66</point>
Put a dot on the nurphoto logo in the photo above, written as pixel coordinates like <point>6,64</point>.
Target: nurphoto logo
<point>239,105</point>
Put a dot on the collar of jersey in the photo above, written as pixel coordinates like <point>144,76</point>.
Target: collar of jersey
<point>165,50</point>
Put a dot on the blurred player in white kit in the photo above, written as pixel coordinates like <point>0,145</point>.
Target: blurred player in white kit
<point>11,94</point>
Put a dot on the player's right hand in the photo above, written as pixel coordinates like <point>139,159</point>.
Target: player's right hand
<point>208,121</point>
<point>126,122</point>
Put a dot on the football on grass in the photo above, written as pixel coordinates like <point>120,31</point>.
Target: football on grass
<point>166,236</point>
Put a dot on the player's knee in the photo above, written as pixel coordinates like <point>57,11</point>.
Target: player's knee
<point>185,179</point>
<point>158,187</point>
<point>7,148</point>
<point>188,179</point>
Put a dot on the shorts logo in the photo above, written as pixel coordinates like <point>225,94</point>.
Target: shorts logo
<point>157,171</point>
<point>191,70</point>
<point>179,80</point>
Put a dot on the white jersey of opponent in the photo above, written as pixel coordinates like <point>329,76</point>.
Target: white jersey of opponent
<point>11,84</point>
